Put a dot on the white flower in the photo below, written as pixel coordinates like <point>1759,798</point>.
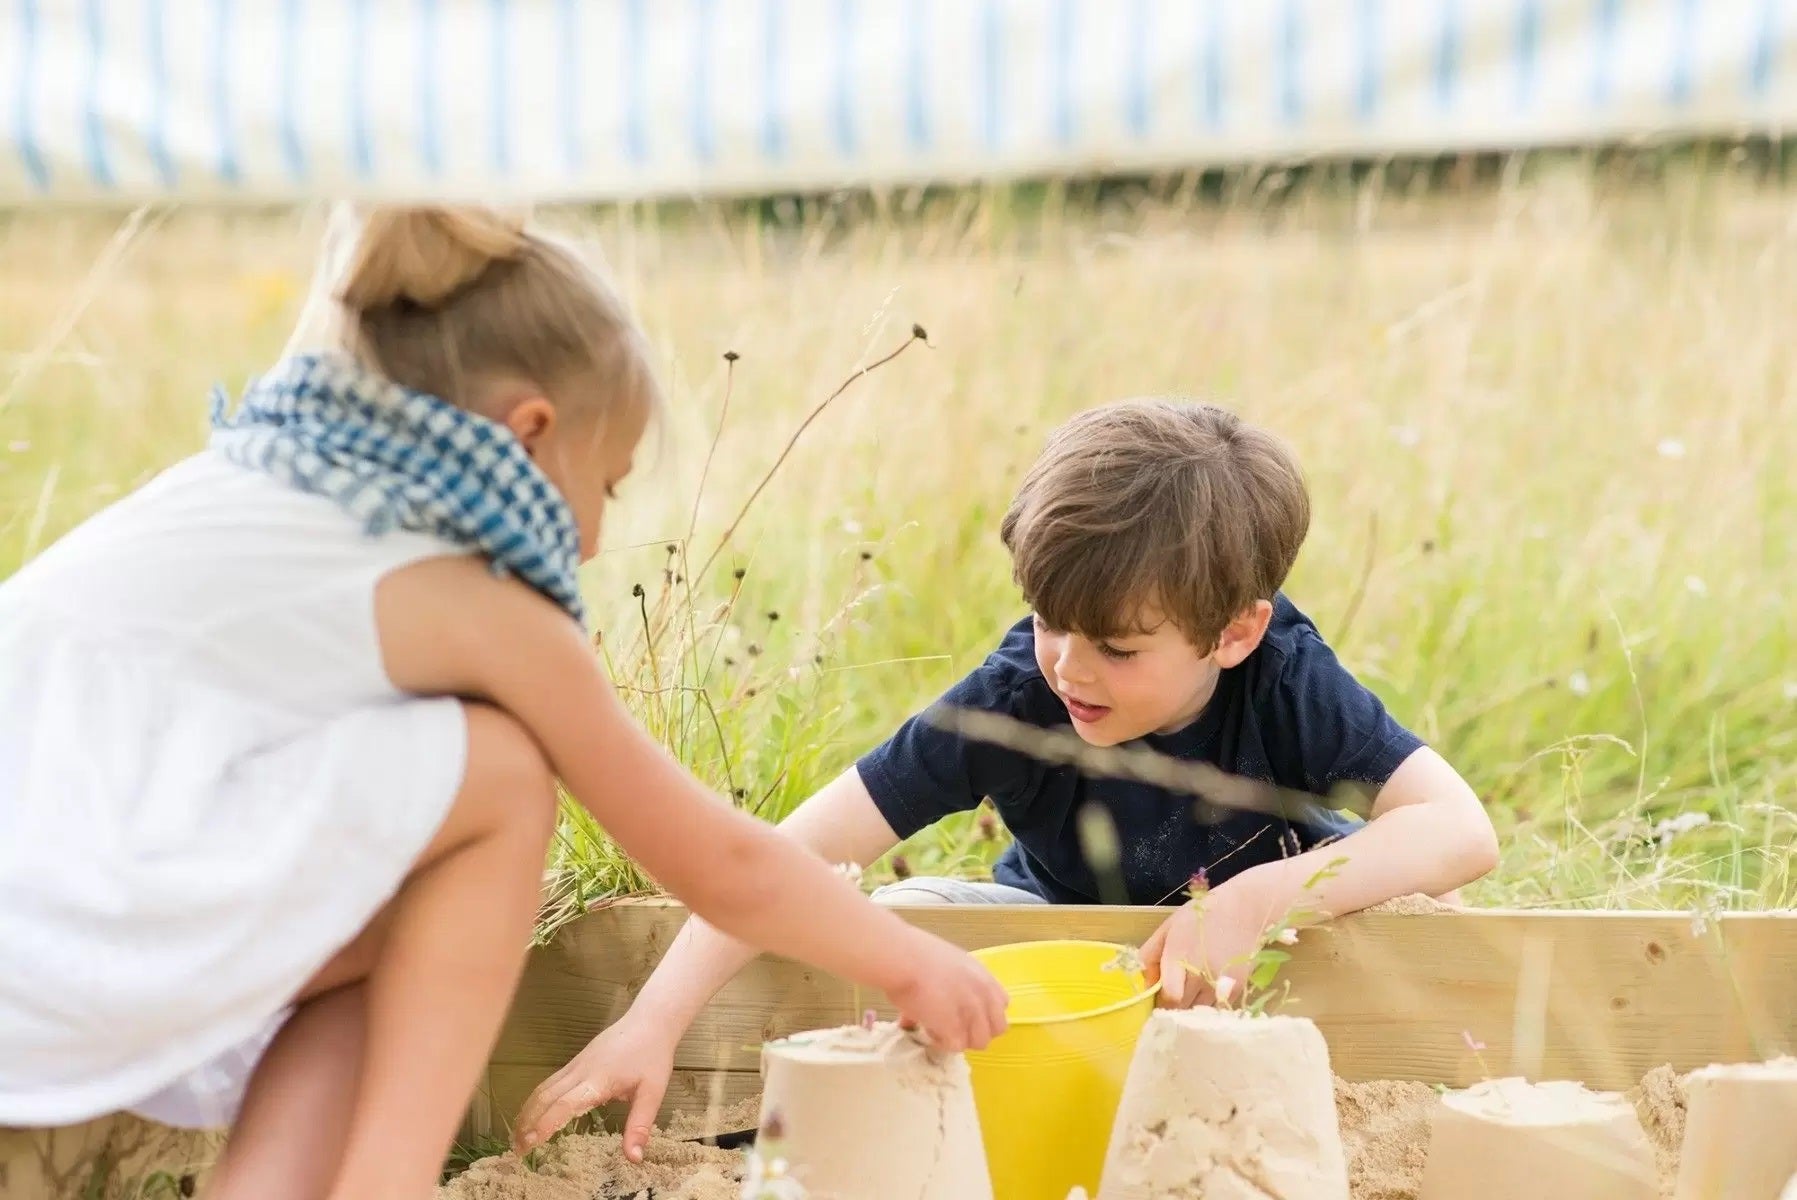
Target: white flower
<point>849,871</point>
<point>1225,988</point>
<point>1407,436</point>
<point>851,526</point>
<point>1287,937</point>
<point>1579,683</point>
<point>1685,822</point>
<point>1671,448</point>
<point>1696,586</point>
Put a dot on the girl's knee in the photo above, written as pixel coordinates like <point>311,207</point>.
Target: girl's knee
<point>507,774</point>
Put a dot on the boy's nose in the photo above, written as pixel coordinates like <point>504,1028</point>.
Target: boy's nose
<point>1070,667</point>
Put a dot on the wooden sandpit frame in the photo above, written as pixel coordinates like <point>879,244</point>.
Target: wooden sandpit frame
<point>1600,997</point>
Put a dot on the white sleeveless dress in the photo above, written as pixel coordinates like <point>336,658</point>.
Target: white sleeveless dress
<point>208,785</point>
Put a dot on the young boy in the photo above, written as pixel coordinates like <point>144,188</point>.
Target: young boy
<point>1150,540</point>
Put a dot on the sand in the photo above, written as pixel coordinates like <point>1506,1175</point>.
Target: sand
<point>1384,1133</point>
<point>593,1167</point>
<point>744,1114</point>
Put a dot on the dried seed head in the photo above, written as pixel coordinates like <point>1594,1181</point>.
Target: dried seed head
<point>754,649</point>
<point>636,589</point>
<point>749,693</point>
<point>772,615</point>
<point>917,331</point>
<point>901,867</point>
<point>988,824</point>
<point>741,793</point>
<point>739,573</point>
<point>673,549</point>
<point>731,356</point>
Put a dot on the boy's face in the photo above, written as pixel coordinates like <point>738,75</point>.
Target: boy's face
<point>1156,681</point>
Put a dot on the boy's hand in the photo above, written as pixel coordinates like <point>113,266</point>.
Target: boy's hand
<point>1192,948</point>
<point>632,1059</point>
<point>949,995</point>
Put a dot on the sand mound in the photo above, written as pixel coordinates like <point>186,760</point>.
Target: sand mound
<point>594,1168</point>
<point>1228,1106</point>
<point>872,1114</point>
<point>1738,1123</point>
<point>1558,1140</point>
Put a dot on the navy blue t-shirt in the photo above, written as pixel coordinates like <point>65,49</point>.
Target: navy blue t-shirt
<point>1290,715</point>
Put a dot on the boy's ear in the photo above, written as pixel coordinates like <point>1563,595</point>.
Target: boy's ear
<point>1242,636</point>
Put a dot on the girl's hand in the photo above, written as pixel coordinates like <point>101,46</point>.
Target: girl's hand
<point>1199,951</point>
<point>948,994</point>
<point>632,1060</point>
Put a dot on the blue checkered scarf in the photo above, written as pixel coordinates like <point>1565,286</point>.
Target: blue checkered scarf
<point>394,458</point>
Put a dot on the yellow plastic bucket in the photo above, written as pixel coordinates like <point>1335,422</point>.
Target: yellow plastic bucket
<point>1047,1089</point>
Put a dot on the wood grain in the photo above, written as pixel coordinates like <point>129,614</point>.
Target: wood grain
<point>1598,997</point>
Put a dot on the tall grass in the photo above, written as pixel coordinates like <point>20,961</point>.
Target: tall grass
<point>1548,427</point>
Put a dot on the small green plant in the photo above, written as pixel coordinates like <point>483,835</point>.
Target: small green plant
<point>1246,983</point>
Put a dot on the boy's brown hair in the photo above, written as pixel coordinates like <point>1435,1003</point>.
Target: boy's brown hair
<point>1169,503</point>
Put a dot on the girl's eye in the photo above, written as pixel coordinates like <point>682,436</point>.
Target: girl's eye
<point>1112,652</point>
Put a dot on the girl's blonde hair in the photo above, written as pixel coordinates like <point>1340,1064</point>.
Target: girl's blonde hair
<point>448,300</point>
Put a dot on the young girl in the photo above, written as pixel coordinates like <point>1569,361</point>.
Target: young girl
<point>279,736</point>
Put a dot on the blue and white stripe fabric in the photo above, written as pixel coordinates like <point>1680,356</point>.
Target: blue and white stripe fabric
<point>118,100</point>
<point>395,458</point>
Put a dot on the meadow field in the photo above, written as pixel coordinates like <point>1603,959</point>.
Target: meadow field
<point>1549,422</point>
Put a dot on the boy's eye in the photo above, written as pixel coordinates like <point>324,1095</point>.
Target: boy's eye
<point>1113,652</point>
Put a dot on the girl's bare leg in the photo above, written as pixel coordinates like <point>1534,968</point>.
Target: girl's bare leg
<point>446,970</point>
<point>288,1139</point>
<point>441,962</point>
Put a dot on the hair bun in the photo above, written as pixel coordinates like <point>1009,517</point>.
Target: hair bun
<point>426,256</point>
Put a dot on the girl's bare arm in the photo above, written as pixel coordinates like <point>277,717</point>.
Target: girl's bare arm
<point>447,626</point>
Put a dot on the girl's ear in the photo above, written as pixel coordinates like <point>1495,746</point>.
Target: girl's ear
<point>530,419</point>
<point>1242,636</point>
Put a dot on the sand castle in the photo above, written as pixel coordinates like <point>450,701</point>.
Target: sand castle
<point>869,1112</point>
<point>1557,1141</point>
<point>1740,1132</point>
<point>1224,1105</point>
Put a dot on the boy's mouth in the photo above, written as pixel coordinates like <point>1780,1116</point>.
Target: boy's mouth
<point>1085,714</point>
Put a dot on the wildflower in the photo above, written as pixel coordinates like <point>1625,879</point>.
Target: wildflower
<point>1198,884</point>
<point>1684,822</point>
<point>1671,448</point>
<point>1287,937</point>
<point>1225,988</point>
<point>851,526</point>
<point>1579,683</point>
<point>1472,1043</point>
<point>869,1019</point>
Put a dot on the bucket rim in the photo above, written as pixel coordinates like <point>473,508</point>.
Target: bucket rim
<point>1106,1010</point>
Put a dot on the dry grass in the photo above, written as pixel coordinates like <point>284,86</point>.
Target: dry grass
<point>1549,429</point>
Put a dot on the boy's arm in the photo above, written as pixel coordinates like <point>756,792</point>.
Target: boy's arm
<point>1428,834</point>
<point>634,1057</point>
